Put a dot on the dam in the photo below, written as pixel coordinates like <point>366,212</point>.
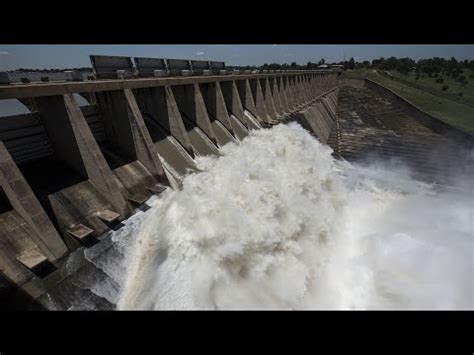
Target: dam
<point>71,175</point>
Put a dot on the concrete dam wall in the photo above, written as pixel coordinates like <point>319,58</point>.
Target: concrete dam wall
<point>70,174</point>
<point>376,124</point>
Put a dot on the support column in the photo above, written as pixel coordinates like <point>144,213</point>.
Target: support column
<point>235,108</point>
<point>159,104</point>
<point>286,85</point>
<point>325,83</point>
<point>27,206</point>
<point>215,103</point>
<point>177,128</point>
<point>296,91</point>
<point>191,102</point>
<point>283,94</point>
<point>145,150</point>
<point>302,89</point>
<point>313,85</point>
<point>306,93</point>
<point>232,100</point>
<point>259,100</point>
<point>268,98</point>
<point>320,86</point>
<point>221,110</point>
<point>74,142</point>
<point>309,88</point>
<point>277,97</point>
<point>301,92</point>
<point>246,97</point>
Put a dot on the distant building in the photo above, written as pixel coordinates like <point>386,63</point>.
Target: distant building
<point>323,66</point>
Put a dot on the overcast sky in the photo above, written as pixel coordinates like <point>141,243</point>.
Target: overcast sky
<point>66,56</point>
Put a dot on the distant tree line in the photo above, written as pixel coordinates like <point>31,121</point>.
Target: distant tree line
<point>403,65</point>
<point>427,66</point>
<point>433,67</point>
<point>350,64</point>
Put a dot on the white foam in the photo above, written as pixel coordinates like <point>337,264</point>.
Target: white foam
<point>277,223</point>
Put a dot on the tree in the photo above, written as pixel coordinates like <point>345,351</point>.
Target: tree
<point>462,79</point>
<point>311,66</point>
<point>456,72</point>
<point>376,63</point>
<point>351,64</point>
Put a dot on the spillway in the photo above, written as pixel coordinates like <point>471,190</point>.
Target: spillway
<point>277,223</point>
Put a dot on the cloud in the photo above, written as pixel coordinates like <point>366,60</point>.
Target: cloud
<point>199,53</point>
<point>274,45</point>
<point>4,53</point>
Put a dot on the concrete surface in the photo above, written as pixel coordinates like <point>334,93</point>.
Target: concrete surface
<point>135,138</point>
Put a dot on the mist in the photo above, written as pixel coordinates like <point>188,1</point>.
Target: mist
<point>278,223</point>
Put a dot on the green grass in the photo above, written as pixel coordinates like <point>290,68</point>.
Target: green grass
<point>358,74</point>
<point>451,112</point>
<point>454,86</point>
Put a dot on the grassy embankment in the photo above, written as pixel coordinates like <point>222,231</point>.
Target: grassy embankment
<point>451,112</point>
<point>454,87</point>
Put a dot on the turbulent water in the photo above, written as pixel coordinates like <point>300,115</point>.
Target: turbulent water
<point>277,223</point>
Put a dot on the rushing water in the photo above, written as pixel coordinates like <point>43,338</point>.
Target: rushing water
<point>277,223</point>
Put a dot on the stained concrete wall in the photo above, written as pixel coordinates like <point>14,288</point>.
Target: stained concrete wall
<point>426,119</point>
<point>28,239</point>
<point>320,117</point>
<point>137,141</point>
